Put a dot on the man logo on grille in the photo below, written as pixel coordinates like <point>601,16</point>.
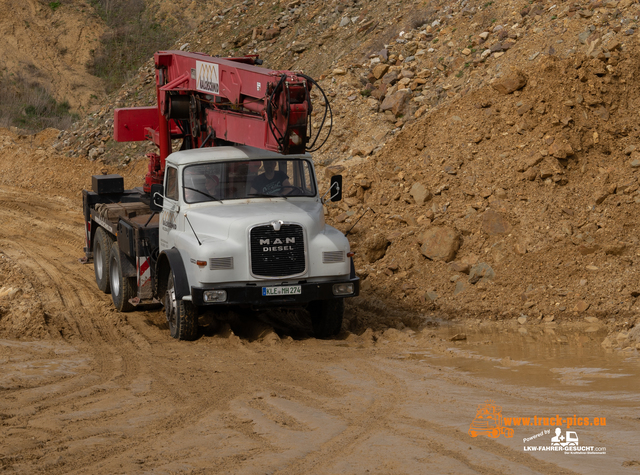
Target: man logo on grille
<point>288,240</point>
<point>207,77</point>
<point>277,244</point>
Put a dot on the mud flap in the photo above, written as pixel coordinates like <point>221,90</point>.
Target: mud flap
<point>88,254</point>
<point>145,282</point>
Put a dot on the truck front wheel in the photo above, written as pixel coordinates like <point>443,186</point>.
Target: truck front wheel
<point>121,286</point>
<point>181,315</point>
<point>326,317</point>
<point>102,243</point>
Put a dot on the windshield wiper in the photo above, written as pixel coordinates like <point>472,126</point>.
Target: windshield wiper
<point>202,192</point>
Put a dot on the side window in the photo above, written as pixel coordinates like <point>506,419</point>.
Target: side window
<point>171,186</point>
<point>307,178</point>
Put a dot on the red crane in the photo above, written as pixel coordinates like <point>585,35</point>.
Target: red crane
<point>208,101</point>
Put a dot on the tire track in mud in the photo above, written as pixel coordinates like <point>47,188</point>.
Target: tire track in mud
<point>358,426</point>
<point>384,415</point>
<point>380,417</point>
<point>176,405</point>
<point>43,252</point>
<point>68,292</point>
<point>62,301</point>
<point>60,291</point>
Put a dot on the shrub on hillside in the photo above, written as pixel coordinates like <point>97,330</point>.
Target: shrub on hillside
<point>30,106</point>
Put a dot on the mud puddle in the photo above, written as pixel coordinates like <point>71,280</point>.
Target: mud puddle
<point>33,363</point>
<point>569,358</point>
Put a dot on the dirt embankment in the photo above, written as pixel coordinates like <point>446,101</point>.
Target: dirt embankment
<point>539,186</point>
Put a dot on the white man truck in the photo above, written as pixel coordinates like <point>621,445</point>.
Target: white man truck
<point>218,226</point>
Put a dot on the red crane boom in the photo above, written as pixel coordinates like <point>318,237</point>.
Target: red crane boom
<point>208,101</point>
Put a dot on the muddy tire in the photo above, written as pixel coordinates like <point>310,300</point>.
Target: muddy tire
<point>181,315</point>
<point>122,288</point>
<point>102,243</point>
<point>326,317</point>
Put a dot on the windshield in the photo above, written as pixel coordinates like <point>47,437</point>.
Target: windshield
<point>248,179</point>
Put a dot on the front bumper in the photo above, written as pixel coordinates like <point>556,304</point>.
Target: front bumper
<point>251,294</point>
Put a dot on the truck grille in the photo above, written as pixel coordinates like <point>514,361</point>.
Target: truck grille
<point>277,253</point>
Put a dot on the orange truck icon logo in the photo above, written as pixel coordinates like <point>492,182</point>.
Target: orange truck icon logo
<point>488,421</point>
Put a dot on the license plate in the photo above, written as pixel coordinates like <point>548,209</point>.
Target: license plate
<point>285,290</point>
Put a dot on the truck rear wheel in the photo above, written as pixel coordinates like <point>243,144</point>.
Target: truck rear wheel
<point>181,315</point>
<point>121,286</point>
<point>326,317</point>
<point>102,243</point>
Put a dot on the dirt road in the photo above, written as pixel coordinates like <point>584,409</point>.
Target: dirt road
<point>103,393</point>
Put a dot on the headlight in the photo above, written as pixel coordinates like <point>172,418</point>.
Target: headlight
<point>342,289</point>
<point>214,296</point>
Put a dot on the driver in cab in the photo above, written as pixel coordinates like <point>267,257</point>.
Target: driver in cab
<point>271,182</point>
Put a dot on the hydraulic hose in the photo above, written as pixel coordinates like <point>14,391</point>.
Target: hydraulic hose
<point>327,109</point>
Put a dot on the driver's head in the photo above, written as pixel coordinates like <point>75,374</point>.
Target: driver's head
<point>269,165</point>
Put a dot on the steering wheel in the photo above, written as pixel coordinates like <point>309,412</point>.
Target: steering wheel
<point>293,188</point>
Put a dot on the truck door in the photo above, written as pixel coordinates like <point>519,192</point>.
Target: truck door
<point>170,209</point>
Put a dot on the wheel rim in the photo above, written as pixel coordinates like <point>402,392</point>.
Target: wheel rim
<point>115,277</point>
<point>171,306</point>
<point>99,260</point>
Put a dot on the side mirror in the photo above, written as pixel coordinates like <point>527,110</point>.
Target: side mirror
<point>336,188</point>
<point>157,198</point>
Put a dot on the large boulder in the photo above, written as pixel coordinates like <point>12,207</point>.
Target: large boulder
<point>511,83</point>
<point>380,70</point>
<point>558,149</point>
<point>481,272</point>
<point>440,243</point>
<point>395,103</point>
<point>376,247</point>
